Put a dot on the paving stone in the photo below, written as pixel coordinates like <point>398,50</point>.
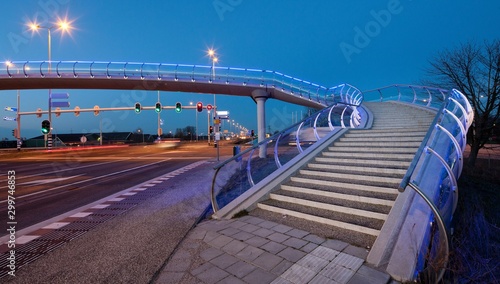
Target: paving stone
<point>234,247</point>
<point>180,265</point>
<point>256,241</point>
<point>367,274</point>
<point>268,224</point>
<point>273,247</point>
<point>253,220</point>
<point>259,276</point>
<point>240,269</point>
<point>280,280</point>
<point>237,224</point>
<point>197,234</point>
<point>356,251</point>
<point>309,247</point>
<point>325,253</point>
<point>295,243</point>
<point>250,228</point>
<point>297,233</point>
<point>220,241</point>
<point>202,268</point>
<point>282,267</point>
<point>210,253</point>
<point>313,263</point>
<point>224,260</point>
<point>249,253</point>
<point>291,254</point>
<point>267,261</point>
<point>320,279</point>
<point>337,273</point>
<point>263,232</point>
<point>298,274</point>
<point>335,244</point>
<point>231,280</point>
<point>229,231</point>
<point>243,236</point>
<point>281,228</point>
<point>213,275</point>
<point>209,236</point>
<point>348,261</point>
<point>278,237</point>
<point>314,239</point>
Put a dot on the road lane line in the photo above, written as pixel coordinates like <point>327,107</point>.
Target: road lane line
<point>87,180</point>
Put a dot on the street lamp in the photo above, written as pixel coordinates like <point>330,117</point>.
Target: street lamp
<point>64,26</point>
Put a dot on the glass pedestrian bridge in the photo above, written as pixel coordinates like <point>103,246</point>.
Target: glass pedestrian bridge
<point>432,175</point>
<point>180,77</point>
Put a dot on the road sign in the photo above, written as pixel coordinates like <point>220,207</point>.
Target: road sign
<point>10,108</point>
<point>209,107</point>
<point>83,139</point>
<point>8,118</point>
<point>59,96</point>
<point>59,104</point>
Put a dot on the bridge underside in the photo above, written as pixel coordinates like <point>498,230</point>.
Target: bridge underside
<point>22,83</point>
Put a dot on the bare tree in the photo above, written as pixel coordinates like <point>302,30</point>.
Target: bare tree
<point>475,71</point>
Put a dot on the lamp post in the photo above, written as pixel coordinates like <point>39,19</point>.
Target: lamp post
<point>62,25</point>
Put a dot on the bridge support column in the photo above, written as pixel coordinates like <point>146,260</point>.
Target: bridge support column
<point>260,97</point>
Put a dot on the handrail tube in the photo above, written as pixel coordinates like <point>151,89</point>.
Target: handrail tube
<point>442,228</point>
<point>276,158</point>
<point>462,128</point>
<point>249,168</point>
<point>420,150</point>
<point>458,149</point>
<point>450,173</point>
<point>41,72</point>
<point>464,113</point>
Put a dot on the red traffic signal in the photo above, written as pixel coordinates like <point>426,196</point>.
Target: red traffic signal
<point>199,107</point>
<point>209,107</point>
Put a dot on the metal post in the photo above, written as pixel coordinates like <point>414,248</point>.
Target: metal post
<point>208,127</point>
<point>49,135</point>
<point>18,119</point>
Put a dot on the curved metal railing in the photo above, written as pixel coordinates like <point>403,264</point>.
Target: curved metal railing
<point>436,166</point>
<point>236,175</point>
<point>179,72</point>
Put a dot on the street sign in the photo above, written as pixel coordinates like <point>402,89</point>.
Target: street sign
<point>8,118</point>
<point>59,96</point>
<point>10,108</point>
<point>83,139</point>
<point>59,104</point>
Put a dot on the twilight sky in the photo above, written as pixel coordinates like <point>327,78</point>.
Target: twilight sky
<point>368,44</point>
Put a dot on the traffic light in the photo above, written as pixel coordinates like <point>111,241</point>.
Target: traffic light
<point>14,132</point>
<point>137,108</point>
<point>211,129</point>
<point>199,107</point>
<point>178,107</point>
<point>253,133</point>
<point>77,111</point>
<point>45,127</point>
<point>96,110</point>
<point>158,107</point>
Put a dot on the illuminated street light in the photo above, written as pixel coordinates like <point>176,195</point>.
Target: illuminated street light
<point>65,26</point>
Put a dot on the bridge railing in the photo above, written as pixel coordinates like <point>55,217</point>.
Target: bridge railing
<point>434,171</point>
<point>182,72</point>
<point>237,175</point>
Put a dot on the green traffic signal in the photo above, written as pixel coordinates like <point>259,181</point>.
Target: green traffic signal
<point>158,107</point>
<point>45,127</point>
<point>178,107</point>
<point>137,108</point>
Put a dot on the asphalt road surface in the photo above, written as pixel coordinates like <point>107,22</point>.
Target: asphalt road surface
<point>50,184</point>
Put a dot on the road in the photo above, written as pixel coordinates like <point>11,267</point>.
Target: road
<point>50,184</point>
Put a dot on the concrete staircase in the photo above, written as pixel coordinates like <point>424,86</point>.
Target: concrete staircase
<point>347,192</point>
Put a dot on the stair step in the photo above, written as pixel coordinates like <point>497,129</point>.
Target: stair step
<point>329,194</point>
<point>404,164</point>
<point>370,150</point>
<point>378,144</point>
<point>383,156</point>
<point>360,134</point>
<point>321,220</point>
<point>356,169</point>
<point>351,186</point>
<point>382,139</point>
<point>352,177</point>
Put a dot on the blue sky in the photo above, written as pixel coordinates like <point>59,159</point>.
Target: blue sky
<point>368,44</point>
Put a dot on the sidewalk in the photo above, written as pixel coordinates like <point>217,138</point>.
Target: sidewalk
<point>253,250</point>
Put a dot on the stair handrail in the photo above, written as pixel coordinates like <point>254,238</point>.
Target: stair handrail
<point>422,176</point>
